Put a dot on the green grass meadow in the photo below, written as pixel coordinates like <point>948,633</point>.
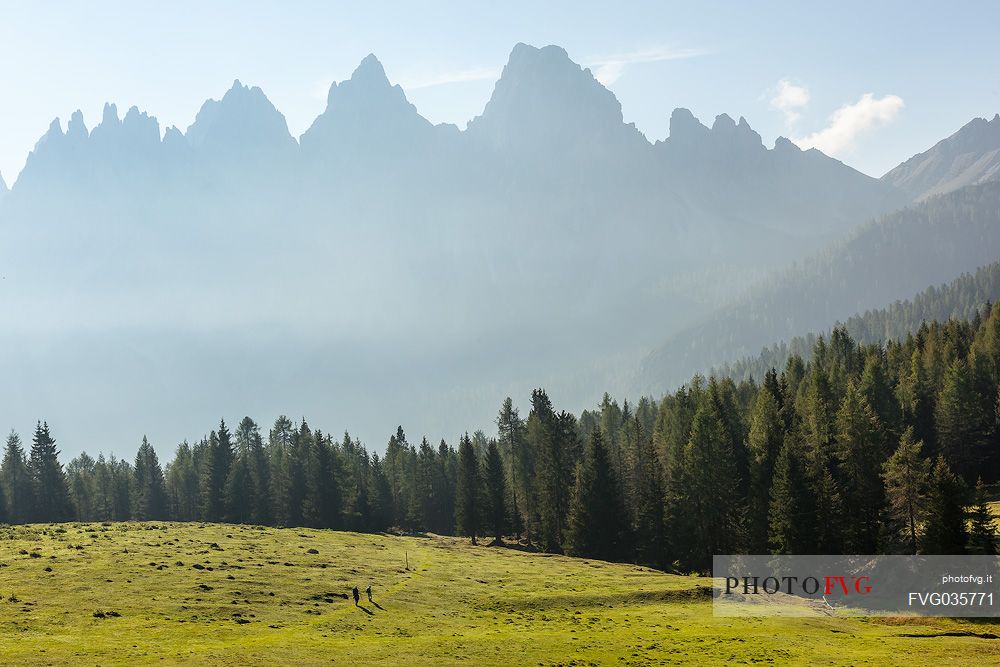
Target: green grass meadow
<point>167,593</point>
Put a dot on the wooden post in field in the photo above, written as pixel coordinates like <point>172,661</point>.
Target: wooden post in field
<point>406,554</point>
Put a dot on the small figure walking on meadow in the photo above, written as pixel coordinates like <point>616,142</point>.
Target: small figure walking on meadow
<point>369,592</point>
<point>357,596</point>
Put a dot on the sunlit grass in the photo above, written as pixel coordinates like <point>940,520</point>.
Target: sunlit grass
<point>216,594</point>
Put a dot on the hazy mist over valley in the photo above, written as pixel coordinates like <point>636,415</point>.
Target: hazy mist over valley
<point>382,270</point>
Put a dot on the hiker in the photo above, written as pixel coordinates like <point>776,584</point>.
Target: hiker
<point>369,592</point>
<point>357,596</point>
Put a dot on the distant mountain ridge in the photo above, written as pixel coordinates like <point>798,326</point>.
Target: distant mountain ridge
<point>548,120</point>
<point>968,157</point>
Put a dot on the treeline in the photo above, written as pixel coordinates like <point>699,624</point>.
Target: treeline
<point>961,299</point>
<point>864,448</point>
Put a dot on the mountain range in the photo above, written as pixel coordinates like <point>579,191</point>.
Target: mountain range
<point>381,269</point>
<point>968,157</point>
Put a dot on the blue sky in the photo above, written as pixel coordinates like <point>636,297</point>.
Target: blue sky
<point>870,82</point>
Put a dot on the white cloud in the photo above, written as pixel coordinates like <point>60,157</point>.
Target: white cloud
<point>851,120</point>
<point>607,69</point>
<point>789,99</point>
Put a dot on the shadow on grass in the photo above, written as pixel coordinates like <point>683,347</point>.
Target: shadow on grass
<point>366,610</point>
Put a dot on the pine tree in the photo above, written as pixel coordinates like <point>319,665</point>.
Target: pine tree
<point>649,516</point>
<point>944,528</point>
<point>710,485</point>
<point>183,485</point>
<point>765,440</point>
<point>150,496</point>
<point>957,420</point>
<point>906,476</point>
<point>381,496</point>
<point>496,493</point>
<point>467,510</point>
<point>394,465</point>
<point>594,526</point>
<point>80,477</point>
<point>51,493</point>
<point>511,433</point>
<point>323,500</point>
<point>552,439</point>
<point>239,491</point>
<point>792,509</point>
<point>858,445</point>
<point>16,480</point>
<point>297,460</point>
<point>220,459</point>
<point>828,504</point>
<point>279,444</point>
<point>250,445</point>
<point>982,531</point>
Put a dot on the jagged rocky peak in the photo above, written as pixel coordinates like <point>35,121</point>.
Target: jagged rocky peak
<point>367,90</point>
<point>543,98</point>
<point>366,109</point>
<point>76,128</point>
<point>687,131</point>
<point>370,72</point>
<point>137,128</point>
<point>684,125</point>
<point>244,116</point>
<point>786,145</point>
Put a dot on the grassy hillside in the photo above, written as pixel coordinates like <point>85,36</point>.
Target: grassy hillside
<point>216,594</point>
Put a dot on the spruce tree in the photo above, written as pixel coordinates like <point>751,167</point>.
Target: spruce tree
<point>467,506</point>
<point>381,496</point>
<point>982,529</point>
<point>51,493</point>
<point>239,491</point>
<point>149,499</point>
<point>765,440</point>
<point>220,459</point>
<point>859,442</point>
<point>279,444</point>
<point>709,485</point>
<point>16,480</point>
<point>511,433</point>
<point>957,419</point>
<point>80,477</point>
<point>299,454</point>
<point>649,511</point>
<point>323,499</point>
<point>594,526</point>
<point>944,528</point>
<point>182,485</point>
<point>792,509</point>
<point>250,445</point>
<point>907,475</point>
<point>496,492</point>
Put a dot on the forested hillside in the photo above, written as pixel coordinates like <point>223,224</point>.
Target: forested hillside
<point>864,448</point>
<point>893,258</point>
<point>961,299</point>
